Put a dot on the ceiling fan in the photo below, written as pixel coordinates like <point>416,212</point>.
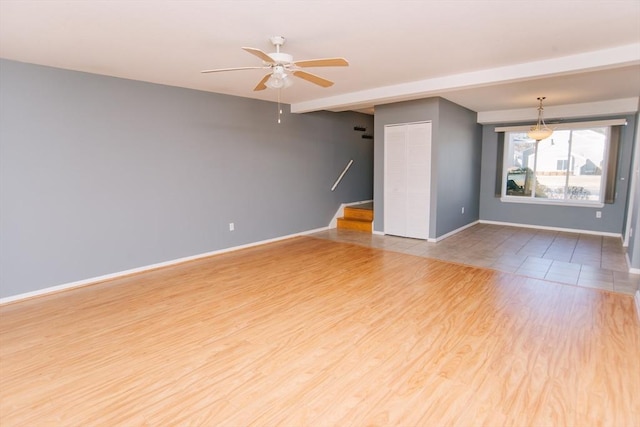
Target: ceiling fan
<point>281,66</point>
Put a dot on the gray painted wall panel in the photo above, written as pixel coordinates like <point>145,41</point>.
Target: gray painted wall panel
<point>457,167</point>
<point>572,217</point>
<point>456,147</point>
<point>100,175</point>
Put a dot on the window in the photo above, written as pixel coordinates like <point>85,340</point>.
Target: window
<point>567,168</point>
<point>562,164</point>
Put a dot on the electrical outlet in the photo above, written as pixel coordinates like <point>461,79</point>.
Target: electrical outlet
<point>598,214</point>
<point>463,209</point>
<point>232,226</point>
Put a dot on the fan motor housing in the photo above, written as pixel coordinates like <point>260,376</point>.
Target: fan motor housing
<point>281,58</point>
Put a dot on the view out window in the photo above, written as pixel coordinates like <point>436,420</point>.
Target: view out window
<point>565,168</point>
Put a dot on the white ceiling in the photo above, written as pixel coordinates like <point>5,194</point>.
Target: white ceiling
<point>485,55</point>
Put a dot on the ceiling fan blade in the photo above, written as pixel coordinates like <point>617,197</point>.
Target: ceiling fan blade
<point>260,54</point>
<point>324,62</point>
<point>232,69</point>
<point>261,85</point>
<point>313,78</point>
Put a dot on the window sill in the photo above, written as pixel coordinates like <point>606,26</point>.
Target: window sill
<point>547,202</point>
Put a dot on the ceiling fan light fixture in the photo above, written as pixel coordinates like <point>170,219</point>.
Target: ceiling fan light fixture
<point>283,69</point>
<point>540,131</point>
<point>279,81</point>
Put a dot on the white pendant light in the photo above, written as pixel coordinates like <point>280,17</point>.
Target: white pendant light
<point>540,131</point>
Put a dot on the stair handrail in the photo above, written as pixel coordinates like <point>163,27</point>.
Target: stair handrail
<point>346,168</point>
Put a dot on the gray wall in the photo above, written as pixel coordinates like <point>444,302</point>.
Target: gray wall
<point>100,175</point>
<point>456,146</point>
<point>572,217</point>
<point>457,167</point>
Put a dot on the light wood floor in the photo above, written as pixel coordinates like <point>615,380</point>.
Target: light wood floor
<point>313,332</point>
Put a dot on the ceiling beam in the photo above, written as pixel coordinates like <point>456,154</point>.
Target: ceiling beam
<point>615,57</point>
<point>560,112</point>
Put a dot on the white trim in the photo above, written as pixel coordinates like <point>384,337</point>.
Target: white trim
<point>543,227</point>
<point>566,126</point>
<point>628,261</point>
<point>637,299</point>
<point>340,212</point>
<point>419,122</point>
<point>430,239</point>
<point>451,233</point>
<point>567,111</point>
<point>598,204</point>
<point>98,279</point>
<point>619,56</point>
<point>549,202</point>
<point>436,239</point>
<point>378,233</point>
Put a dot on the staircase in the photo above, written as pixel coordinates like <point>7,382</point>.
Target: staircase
<point>357,217</point>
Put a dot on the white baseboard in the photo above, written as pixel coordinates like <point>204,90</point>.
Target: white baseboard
<point>340,212</point>
<point>637,298</point>
<point>631,269</point>
<point>542,227</point>
<point>437,239</point>
<point>94,280</point>
<point>513,224</point>
<point>451,233</point>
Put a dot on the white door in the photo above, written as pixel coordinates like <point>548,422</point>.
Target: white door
<point>395,180</point>
<point>407,179</point>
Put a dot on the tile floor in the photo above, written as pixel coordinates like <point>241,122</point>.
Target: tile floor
<point>570,258</point>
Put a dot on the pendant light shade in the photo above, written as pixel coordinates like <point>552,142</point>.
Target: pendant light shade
<point>540,131</point>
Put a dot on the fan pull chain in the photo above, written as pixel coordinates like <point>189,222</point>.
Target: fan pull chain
<point>279,109</point>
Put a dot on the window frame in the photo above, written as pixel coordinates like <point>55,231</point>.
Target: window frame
<point>608,124</point>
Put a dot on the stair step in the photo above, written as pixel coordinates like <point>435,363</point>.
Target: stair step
<point>355,224</point>
<point>356,213</point>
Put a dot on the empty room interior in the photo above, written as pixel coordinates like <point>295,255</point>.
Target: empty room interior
<point>320,213</point>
